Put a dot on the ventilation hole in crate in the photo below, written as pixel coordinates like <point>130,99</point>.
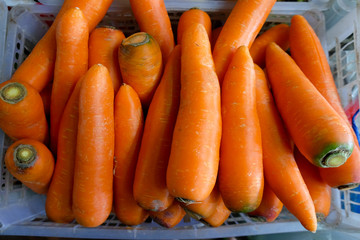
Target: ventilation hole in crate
<point>3,186</point>
<point>15,66</point>
<point>17,55</point>
<point>19,36</point>
<point>18,46</point>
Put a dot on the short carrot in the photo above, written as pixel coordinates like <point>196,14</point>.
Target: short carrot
<point>150,189</point>
<point>241,179</point>
<point>93,172</point>
<point>32,163</point>
<point>169,217</point>
<point>317,130</point>
<point>219,216</point>
<point>129,124</point>
<point>104,43</point>
<point>194,157</point>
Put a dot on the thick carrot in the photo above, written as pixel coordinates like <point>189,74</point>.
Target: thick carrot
<point>241,178</point>
<point>22,112</point>
<point>129,124</point>
<point>318,131</point>
<point>152,17</point>
<point>214,36</point>
<point>93,172</point>
<point>280,169</point>
<point>169,217</point>
<point>46,98</point>
<point>278,34</point>
<point>150,189</point>
<point>219,216</point>
<point>104,43</point>
<point>58,204</point>
<point>72,36</point>
<point>194,158</point>
<point>241,28</point>
<point>191,16</point>
<point>32,163</point>
<point>141,65</point>
<point>38,68</point>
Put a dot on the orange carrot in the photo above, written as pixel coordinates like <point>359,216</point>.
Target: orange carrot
<point>219,216</point>
<point>214,36</point>
<point>317,130</point>
<point>129,123</point>
<point>280,169</point>
<point>22,112</point>
<point>46,98</point>
<point>169,217</point>
<point>93,180</point>
<point>152,17</point>
<point>150,189</point>
<point>241,28</point>
<point>32,163</point>
<point>141,65</point>
<point>241,178</point>
<point>194,158</point>
<point>104,43</point>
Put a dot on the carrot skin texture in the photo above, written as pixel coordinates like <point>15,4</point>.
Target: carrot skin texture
<point>169,217</point>
<point>193,165</point>
<point>129,123</point>
<point>150,190</point>
<point>219,216</point>
<point>93,172</point>
<point>36,174</point>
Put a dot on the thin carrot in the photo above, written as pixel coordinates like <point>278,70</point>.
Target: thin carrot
<point>141,65</point>
<point>152,17</point>
<point>72,36</point>
<point>150,189</point>
<point>317,130</point>
<point>46,98</point>
<point>214,36</point>
<point>129,124</point>
<point>241,28</point>
<point>32,163</point>
<point>93,180</point>
<point>278,34</point>
<point>191,16</point>
<point>38,68</point>
<point>169,217</point>
<point>280,169</point>
<point>241,178</point>
<point>194,158</point>
<point>22,112</point>
<point>104,43</point>
<point>219,216</point>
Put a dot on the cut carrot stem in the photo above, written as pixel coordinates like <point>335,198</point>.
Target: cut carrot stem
<point>169,217</point>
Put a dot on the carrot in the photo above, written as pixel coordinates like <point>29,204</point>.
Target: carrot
<point>194,157</point>
<point>32,163</point>
<point>104,43</point>
<point>320,192</point>
<point>169,217</point>
<point>150,189</point>
<point>22,112</point>
<point>219,216</point>
<point>45,95</point>
<point>280,169</point>
<point>72,36</point>
<point>241,28</point>
<point>38,68</point>
<point>191,16</point>
<point>270,206</point>
<point>58,204</point>
<point>214,36</point>
<point>241,178</point>
<point>141,65</point>
<point>129,123</point>
<point>152,17</point>
<point>317,130</point>
<point>93,183</point>
<point>278,34</point>
<point>308,53</point>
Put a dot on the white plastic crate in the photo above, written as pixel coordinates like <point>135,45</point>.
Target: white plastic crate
<point>22,211</point>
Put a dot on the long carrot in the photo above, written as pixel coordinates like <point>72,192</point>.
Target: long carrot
<point>22,112</point>
<point>280,169</point>
<point>219,216</point>
<point>241,178</point>
<point>152,17</point>
<point>38,68</point>
<point>72,36</point>
<point>317,130</point>
<point>129,123</point>
<point>194,157</point>
<point>241,28</point>
<point>32,163</point>
<point>93,181</point>
<point>141,65</point>
<point>150,189</point>
<point>104,43</point>
<point>169,217</point>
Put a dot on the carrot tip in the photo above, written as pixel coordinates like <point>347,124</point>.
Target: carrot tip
<point>24,156</point>
<point>348,186</point>
<point>13,92</point>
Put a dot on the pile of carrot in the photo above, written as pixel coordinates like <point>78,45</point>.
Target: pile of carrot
<point>215,122</point>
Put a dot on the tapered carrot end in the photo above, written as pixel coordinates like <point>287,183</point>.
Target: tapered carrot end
<point>297,18</point>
